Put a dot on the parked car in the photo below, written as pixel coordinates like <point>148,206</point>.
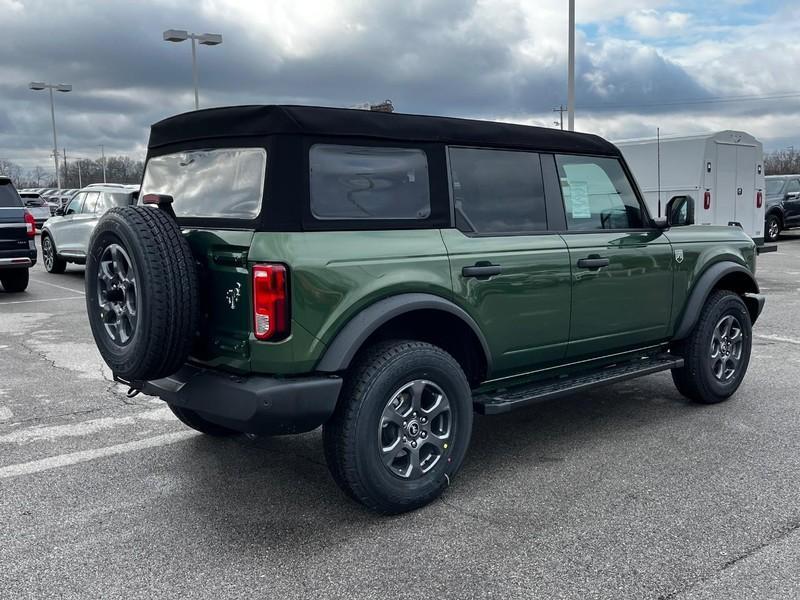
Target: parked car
<point>783,204</point>
<point>17,239</point>
<point>723,172</point>
<point>386,275</point>
<point>36,206</point>
<point>65,237</point>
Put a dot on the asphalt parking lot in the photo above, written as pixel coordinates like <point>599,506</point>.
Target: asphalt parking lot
<point>625,492</point>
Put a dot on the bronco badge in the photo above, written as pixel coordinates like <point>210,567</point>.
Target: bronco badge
<point>678,256</point>
<point>233,295</point>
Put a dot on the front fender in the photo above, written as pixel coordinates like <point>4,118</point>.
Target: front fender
<point>704,286</point>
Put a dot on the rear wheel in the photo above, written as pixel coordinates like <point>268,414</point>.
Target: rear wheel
<point>14,280</point>
<point>772,228</point>
<point>402,426</point>
<point>195,421</point>
<point>52,262</point>
<point>717,352</point>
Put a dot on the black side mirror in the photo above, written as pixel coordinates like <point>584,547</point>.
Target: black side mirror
<point>60,211</point>
<point>680,211</point>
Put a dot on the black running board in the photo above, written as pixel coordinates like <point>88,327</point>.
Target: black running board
<point>505,400</point>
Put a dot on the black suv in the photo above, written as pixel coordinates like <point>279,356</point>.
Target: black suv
<point>783,205</point>
<point>17,239</point>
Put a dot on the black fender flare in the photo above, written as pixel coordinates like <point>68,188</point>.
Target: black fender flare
<point>351,337</point>
<point>702,290</point>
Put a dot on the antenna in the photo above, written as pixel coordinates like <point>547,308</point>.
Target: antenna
<point>658,160</point>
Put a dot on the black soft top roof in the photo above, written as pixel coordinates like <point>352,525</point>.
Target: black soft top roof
<point>264,120</point>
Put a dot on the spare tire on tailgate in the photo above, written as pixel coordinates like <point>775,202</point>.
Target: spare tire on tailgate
<point>141,292</point>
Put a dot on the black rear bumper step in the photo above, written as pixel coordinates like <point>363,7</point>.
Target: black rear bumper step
<point>509,399</point>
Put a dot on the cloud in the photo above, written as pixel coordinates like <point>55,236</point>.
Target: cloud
<point>654,24</point>
<point>474,58</point>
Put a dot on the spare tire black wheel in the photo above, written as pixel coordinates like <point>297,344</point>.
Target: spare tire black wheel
<point>141,293</point>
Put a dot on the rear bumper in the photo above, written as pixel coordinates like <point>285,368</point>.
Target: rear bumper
<point>251,404</point>
<point>19,262</point>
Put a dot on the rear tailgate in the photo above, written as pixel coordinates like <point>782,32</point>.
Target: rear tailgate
<point>13,229</point>
<point>225,297</point>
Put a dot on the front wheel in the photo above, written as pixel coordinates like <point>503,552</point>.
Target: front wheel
<point>717,352</point>
<point>402,426</point>
<point>772,228</point>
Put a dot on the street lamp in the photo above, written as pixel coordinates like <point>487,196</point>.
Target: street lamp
<point>59,87</point>
<point>571,69</point>
<point>207,39</point>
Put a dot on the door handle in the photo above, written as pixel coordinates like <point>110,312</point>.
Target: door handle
<point>594,262</point>
<point>481,270</point>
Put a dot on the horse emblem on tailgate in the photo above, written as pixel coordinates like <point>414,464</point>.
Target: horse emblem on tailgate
<point>233,295</point>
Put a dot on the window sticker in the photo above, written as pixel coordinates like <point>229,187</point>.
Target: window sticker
<point>579,197</point>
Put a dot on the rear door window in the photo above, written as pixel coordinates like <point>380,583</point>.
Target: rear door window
<point>214,183</point>
<point>8,196</point>
<point>597,194</point>
<point>497,191</point>
<point>368,182</point>
<point>91,202</point>
<point>793,186</point>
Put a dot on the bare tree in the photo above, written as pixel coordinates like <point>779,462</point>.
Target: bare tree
<point>782,162</point>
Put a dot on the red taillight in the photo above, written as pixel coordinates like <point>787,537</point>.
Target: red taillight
<point>30,224</point>
<point>759,199</point>
<point>707,200</point>
<point>270,302</point>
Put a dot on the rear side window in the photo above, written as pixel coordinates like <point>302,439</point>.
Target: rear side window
<point>109,200</point>
<point>368,182</point>
<point>597,194</point>
<point>497,191</point>
<point>8,196</point>
<point>214,183</point>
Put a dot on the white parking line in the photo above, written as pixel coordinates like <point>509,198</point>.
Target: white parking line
<point>64,460</point>
<point>61,287</point>
<point>778,338</point>
<point>43,300</point>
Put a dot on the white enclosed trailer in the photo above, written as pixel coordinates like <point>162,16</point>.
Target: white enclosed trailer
<point>723,172</point>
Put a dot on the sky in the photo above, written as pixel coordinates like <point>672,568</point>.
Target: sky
<point>680,65</point>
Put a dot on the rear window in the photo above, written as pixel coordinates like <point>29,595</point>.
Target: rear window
<point>368,182</point>
<point>9,196</point>
<point>32,200</point>
<point>221,182</point>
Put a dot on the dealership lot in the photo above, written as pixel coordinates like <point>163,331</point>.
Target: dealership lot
<point>624,492</point>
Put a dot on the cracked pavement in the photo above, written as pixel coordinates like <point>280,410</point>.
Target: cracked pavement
<point>623,492</point>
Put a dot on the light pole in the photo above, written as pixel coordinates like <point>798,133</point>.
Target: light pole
<point>207,39</point>
<point>59,87</point>
<point>571,67</point>
<point>103,158</point>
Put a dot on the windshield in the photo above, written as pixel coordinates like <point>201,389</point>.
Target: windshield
<point>8,196</point>
<point>224,182</point>
<point>774,186</point>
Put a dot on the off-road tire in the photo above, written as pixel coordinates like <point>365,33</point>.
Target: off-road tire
<point>351,437</point>
<point>56,264</point>
<point>192,419</point>
<point>168,295</point>
<point>14,280</point>
<point>695,380</point>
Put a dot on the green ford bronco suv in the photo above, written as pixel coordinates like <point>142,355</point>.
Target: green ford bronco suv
<point>385,276</point>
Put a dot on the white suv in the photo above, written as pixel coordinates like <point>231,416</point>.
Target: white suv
<point>65,237</point>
